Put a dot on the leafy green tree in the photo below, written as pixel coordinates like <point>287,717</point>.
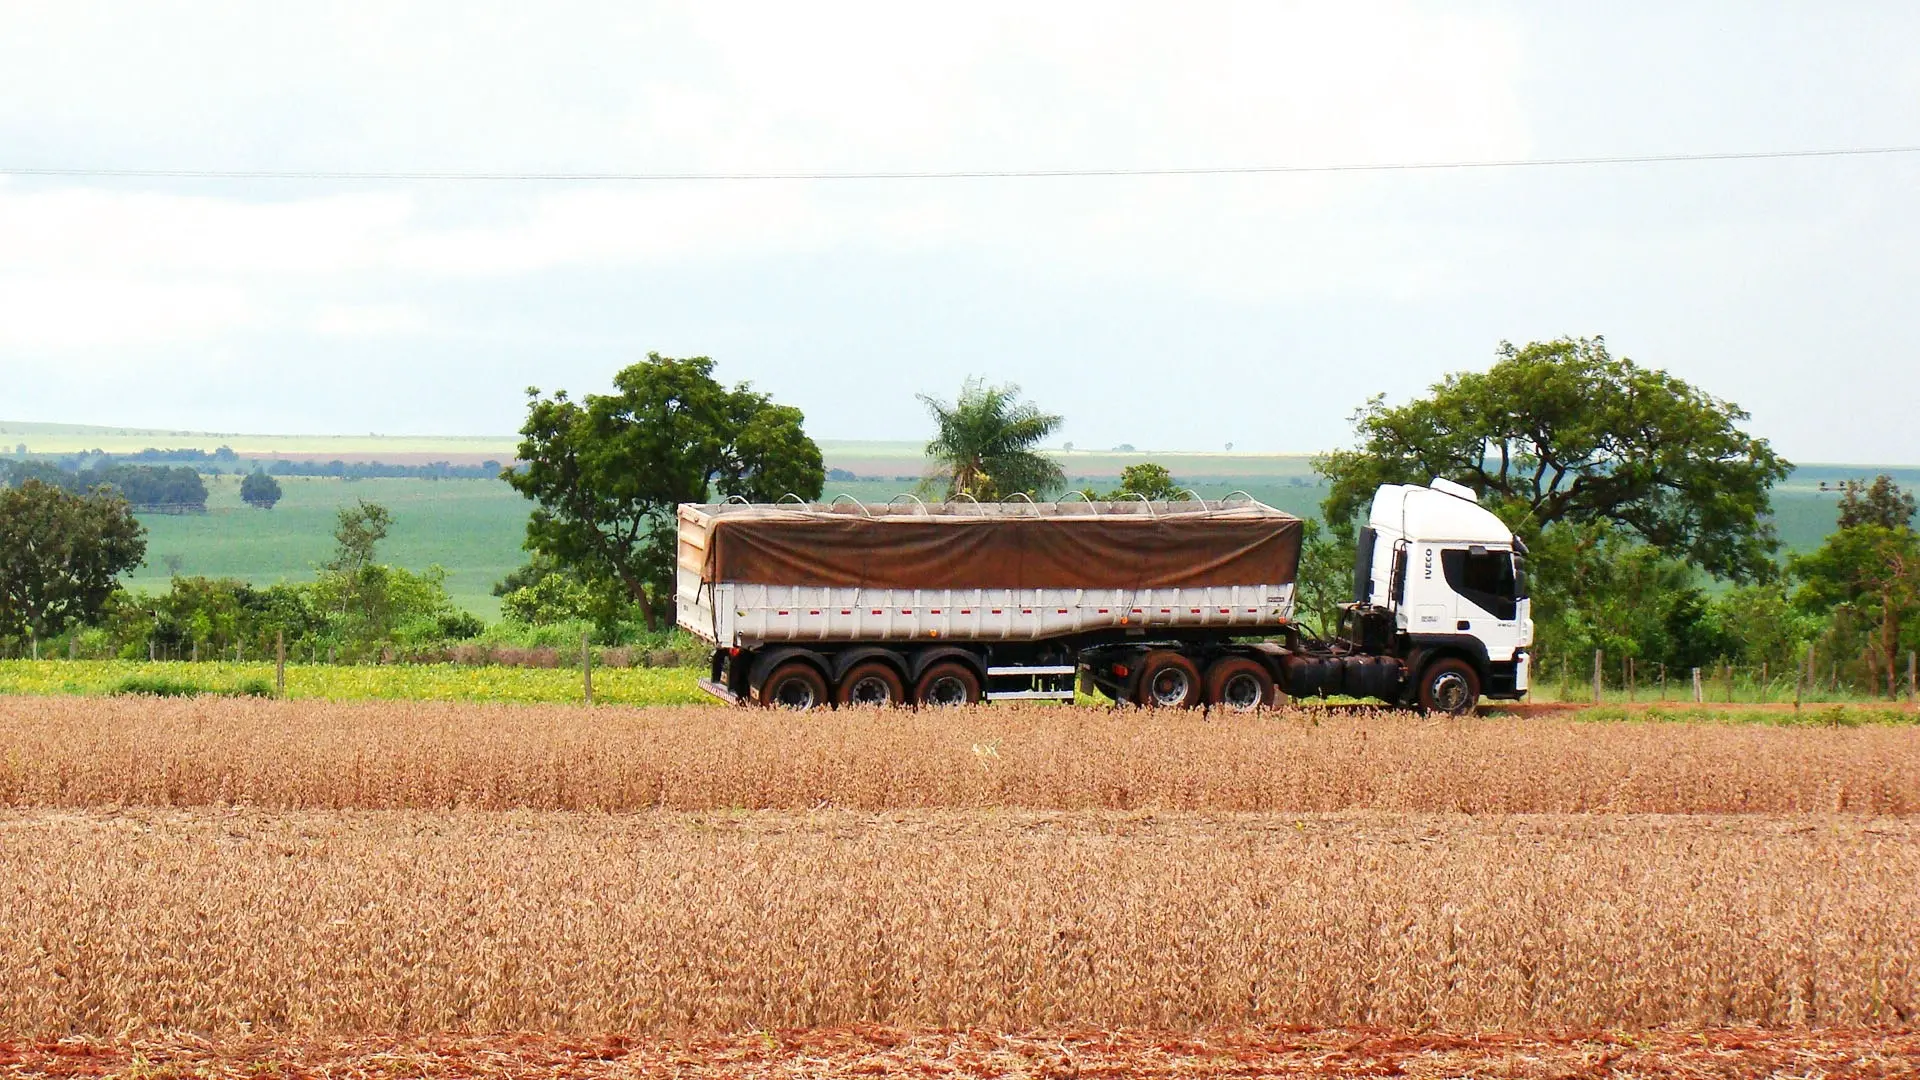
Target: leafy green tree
<point>1147,480</point>
<point>1867,577</point>
<point>607,472</point>
<point>984,441</point>
<point>361,528</point>
<point>1325,578</point>
<point>1562,431</point>
<point>61,556</point>
<point>260,490</point>
<point>167,489</point>
<point>19,472</point>
<point>1879,503</point>
<point>379,604</point>
<point>1597,586</point>
<point>1762,625</point>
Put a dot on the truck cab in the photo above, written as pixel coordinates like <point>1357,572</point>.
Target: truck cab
<point>1440,581</point>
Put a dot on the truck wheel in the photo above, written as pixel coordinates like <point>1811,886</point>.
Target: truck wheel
<point>1167,681</point>
<point>795,685</point>
<point>873,684</point>
<point>1449,685</point>
<point>1239,684</point>
<point>947,684</point>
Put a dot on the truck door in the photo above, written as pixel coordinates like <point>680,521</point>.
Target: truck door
<point>1485,597</point>
<point>1432,609</point>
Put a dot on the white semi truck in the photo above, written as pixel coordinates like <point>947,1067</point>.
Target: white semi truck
<point>1162,604</point>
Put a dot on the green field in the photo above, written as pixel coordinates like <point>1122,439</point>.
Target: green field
<point>402,682</point>
<point>473,528</point>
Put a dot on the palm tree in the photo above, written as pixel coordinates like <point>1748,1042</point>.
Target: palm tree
<point>984,446</point>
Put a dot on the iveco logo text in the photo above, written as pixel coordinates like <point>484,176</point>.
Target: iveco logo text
<point>1429,571</point>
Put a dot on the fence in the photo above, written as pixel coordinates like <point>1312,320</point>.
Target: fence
<point>1625,679</point>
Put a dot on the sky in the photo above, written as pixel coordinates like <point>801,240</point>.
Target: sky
<point>1168,312</point>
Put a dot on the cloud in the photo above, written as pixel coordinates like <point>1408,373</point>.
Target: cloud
<point>57,312</point>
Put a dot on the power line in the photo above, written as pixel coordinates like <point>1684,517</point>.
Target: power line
<point>954,174</point>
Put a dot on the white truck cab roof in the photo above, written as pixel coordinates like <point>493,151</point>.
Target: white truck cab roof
<point>1441,512</point>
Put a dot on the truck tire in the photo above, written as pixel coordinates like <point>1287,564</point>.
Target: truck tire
<point>795,685</point>
<point>1239,684</point>
<point>873,683</point>
<point>1167,681</point>
<point>946,684</point>
<point>1449,685</point>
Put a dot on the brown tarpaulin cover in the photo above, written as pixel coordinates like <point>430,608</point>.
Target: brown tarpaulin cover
<point>1241,545</point>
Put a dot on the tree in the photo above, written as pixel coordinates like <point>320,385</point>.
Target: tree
<point>168,489</point>
<point>984,444</point>
<point>19,472</point>
<point>260,490</point>
<point>61,556</point>
<point>606,472</point>
<point>1147,480</point>
<point>1562,431</point>
<point>362,526</point>
<point>1868,574</point>
<point>1879,503</point>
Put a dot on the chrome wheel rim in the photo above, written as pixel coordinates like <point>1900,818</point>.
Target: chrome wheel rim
<point>870,690</point>
<point>947,691</point>
<point>1170,687</point>
<point>1242,693</point>
<point>1449,691</point>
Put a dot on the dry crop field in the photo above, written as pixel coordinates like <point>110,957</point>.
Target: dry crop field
<point>238,887</point>
<point>303,755</point>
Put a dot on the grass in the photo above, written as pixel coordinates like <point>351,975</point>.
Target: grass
<point>84,752</point>
<point>404,682</point>
<point>220,923</point>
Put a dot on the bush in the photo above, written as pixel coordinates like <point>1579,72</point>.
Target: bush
<point>166,686</point>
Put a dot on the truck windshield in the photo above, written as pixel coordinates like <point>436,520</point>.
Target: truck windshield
<point>1486,578</point>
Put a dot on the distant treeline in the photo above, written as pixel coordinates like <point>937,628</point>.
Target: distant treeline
<point>167,489</point>
<point>433,470</point>
<point>226,460</point>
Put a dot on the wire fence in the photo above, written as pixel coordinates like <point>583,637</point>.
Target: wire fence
<point>1815,680</point>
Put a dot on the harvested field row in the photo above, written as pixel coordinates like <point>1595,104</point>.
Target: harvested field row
<point>78,752</point>
<point>868,1052</point>
<point>222,922</point>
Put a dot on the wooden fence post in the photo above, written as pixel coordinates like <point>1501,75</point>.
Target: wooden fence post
<point>586,668</point>
<point>1596,676</point>
<point>1729,682</point>
<point>280,663</point>
<point>73,649</point>
<point>1913,691</point>
<point>1698,697</point>
<point>1630,680</point>
<point>1800,677</point>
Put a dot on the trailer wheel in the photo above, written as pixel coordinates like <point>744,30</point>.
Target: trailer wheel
<point>1239,684</point>
<point>795,685</point>
<point>874,684</point>
<point>946,684</point>
<point>1449,685</point>
<point>1167,681</point>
